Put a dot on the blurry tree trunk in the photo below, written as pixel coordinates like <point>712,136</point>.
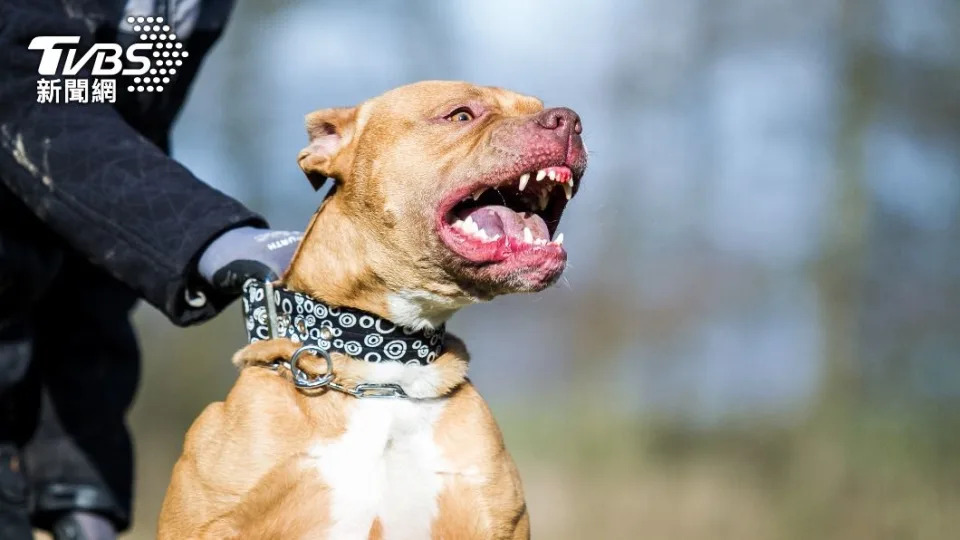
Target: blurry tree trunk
<point>839,276</point>
<point>431,52</point>
<point>238,84</point>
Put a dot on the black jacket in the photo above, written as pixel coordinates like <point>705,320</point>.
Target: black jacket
<point>97,175</point>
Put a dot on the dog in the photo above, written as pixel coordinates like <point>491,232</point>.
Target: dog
<point>353,417</point>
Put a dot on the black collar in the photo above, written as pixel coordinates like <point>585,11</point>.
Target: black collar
<point>355,333</point>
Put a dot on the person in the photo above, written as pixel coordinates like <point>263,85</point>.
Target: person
<point>94,214</point>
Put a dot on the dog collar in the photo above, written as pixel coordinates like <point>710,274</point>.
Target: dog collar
<point>276,312</point>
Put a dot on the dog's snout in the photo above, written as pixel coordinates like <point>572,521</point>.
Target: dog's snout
<point>560,119</point>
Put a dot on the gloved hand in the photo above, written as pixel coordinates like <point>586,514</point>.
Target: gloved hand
<point>247,252</point>
<point>83,526</point>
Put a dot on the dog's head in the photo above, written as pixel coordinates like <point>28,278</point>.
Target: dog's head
<point>458,187</point>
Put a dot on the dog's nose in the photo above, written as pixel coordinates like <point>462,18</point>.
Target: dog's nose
<point>561,119</point>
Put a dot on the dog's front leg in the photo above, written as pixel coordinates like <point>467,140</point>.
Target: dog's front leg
<point>290,501</point>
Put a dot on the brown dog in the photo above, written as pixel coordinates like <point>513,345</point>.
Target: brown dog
<point>446,194</point>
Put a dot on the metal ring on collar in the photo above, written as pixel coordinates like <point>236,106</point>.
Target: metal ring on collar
<point>300,378</point>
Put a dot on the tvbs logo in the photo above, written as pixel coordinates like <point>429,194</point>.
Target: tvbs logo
<point>90,76</point>
<point>106,57</point>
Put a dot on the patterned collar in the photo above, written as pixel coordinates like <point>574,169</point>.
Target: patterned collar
<point>355,333</point>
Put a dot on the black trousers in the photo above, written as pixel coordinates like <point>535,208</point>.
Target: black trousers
<point>69,366</point>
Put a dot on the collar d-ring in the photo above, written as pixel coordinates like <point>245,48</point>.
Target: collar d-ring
<point>300,378</point>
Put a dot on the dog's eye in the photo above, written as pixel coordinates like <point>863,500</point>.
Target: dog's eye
<point>462,114</point>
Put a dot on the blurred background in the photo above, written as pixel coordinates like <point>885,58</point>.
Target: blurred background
<point>758,333</point>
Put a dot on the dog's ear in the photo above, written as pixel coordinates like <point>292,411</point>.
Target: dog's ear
<point>330,131</point>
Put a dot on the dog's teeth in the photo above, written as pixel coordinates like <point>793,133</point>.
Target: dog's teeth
<point>568,189</point>
<point>527,235</point>
<point>523,181</point>
<point>482,234</point>
<point>476,194</point>
<point>558,240</point>
<point>544,200</point>
<point>570,180</point>
<point>540,242</point>
<point>541,174</point>
<point>552,174</point>
<point>470,226</point>
<point>458,224</point>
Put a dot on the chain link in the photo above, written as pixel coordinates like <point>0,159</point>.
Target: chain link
<point>304,382</point>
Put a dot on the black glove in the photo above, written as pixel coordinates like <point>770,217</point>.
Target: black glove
<point>246,252</point>
<point>83,526</point>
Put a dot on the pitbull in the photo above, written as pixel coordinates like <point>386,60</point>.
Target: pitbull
<point>355,420</point>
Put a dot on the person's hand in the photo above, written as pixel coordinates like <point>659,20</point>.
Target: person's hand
<point>80,525</point>
<point>246,252</point>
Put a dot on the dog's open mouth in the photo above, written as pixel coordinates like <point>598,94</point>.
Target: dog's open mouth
<point>492,221</point>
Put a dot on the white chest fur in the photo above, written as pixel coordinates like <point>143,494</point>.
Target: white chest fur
<point>385,466</point>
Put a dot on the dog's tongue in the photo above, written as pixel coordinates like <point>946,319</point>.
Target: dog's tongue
<point>501,220</point>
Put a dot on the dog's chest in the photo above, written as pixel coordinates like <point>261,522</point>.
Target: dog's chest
<point>385,466</point>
